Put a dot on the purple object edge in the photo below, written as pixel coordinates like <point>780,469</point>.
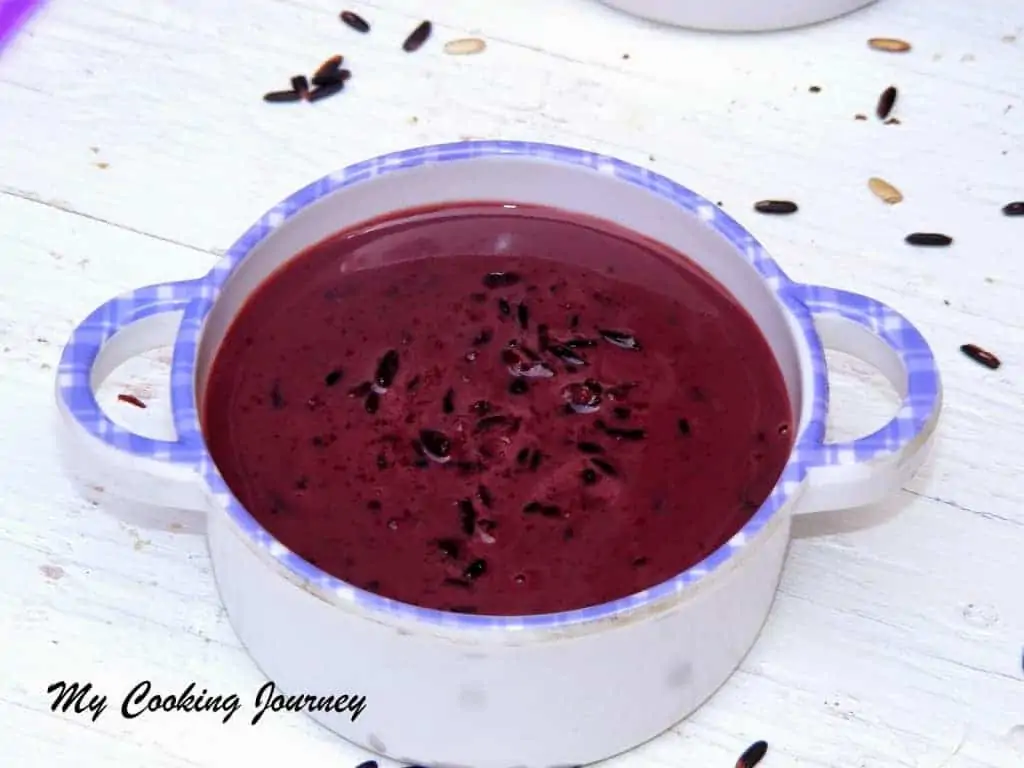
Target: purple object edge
<point>13,16</point>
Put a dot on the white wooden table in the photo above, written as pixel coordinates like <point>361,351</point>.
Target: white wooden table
<point>134,148</point>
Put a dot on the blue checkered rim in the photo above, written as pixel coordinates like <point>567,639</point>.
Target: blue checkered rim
<point>196,298</point>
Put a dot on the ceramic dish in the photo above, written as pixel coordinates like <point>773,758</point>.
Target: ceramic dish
<point>494,692</point>
<point>738,15</point>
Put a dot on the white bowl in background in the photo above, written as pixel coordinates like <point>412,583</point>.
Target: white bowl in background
<point>738,15</point>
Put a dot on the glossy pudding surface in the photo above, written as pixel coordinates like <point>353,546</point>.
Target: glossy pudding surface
<point>442,408</point>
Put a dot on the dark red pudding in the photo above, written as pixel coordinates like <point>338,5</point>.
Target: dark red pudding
<point>503,410</point>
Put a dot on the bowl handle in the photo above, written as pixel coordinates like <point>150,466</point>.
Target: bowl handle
<point>863,471</point>
<point>104,454</point>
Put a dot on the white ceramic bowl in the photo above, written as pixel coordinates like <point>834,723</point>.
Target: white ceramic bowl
<point>494,692</point>
<point>738,15</point>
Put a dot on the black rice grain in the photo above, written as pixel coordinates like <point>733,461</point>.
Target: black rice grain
<point>300,85</point>
<point>543,339</point>
<point>332,78</point>
<point>589,476</point>
<point>622,434</point>
<point>523,315</point>
<point>497,420</point>
<point>523,456</point>
<point>372,404</point>
<point>467,517</point>
<point>355,21</point>
<point>277,505</point>
<point>588,447</point>
<point>368,764</point>
<point>448,402</point>
<point>387,369</point>
<point>333,377</point>
<point>886,101</point>
<point>475,570</point>
<point>535,460</point>
<point>282,97</point>
<point>753,755</point>
<point>484,337</point>
<point>325,91</point>
<point>328,69</point>
<point>776,207</point>
<point>504,307</point>
<point>417,37</point>
<point>494,280</point>
<point>620,339</point>
<point>564,353</point>
<point>1014,209</point>
<point>605,467</point>
<point>277,401</point>
<point>486,497</point>
<point>981,356</point>
<point>580,343</point>
<point>435,444</point>
<point>449,548</point>
<point>933,239</point>
<point>684,426</point>
<point>518,387</point>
